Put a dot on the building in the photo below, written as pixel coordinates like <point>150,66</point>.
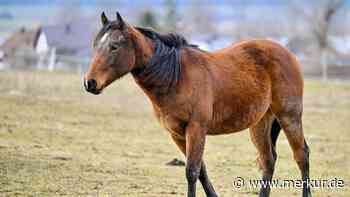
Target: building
<point>22,39</point>
<point>72,39</point>
<point>55,46</point>
<point>65,45</point>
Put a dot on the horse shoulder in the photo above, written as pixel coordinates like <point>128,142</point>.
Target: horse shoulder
<point>196,84</point>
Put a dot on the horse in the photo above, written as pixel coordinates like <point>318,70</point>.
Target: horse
<point>255,84</point>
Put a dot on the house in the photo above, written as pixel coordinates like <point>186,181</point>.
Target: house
<point>23,39</point>
<point>55,46</point>
<point>19,49</point>
<point>73,39</point>
<point>65,45</point>
<point>2,55</point>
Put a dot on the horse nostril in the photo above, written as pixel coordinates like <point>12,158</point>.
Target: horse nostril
<point>91,85</point>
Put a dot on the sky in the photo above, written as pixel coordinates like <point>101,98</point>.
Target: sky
<point>94,2</point>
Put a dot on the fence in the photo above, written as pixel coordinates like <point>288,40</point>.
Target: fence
<point>25,60</point>
<point>28,60</point>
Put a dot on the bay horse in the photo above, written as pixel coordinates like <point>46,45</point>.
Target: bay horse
<point>254,84</point>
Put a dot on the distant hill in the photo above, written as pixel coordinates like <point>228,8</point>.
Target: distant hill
<point>6,15</point>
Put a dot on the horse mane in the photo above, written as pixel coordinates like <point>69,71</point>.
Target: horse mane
<point>170,39</point>
<point>163,70</point>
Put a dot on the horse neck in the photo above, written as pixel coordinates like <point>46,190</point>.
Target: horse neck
<point>160,73</point>
<point>144,49</point>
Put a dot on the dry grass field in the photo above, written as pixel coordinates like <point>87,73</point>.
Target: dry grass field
<point>57,140</point>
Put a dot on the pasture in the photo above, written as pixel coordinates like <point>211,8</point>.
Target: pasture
<point>58,140</point>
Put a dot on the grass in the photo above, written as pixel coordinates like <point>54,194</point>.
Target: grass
<point>57,140</point>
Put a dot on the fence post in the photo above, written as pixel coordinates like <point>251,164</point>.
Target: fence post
<point>324,64</point>
<point>52,60</point>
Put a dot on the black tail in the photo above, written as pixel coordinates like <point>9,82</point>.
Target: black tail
<point>275,131</point>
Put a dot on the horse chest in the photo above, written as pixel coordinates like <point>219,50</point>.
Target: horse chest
<point>174,125</point>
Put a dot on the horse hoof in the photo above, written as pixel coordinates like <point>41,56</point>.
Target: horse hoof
<point>307,194</point>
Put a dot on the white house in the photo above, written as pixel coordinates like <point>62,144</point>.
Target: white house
<point>2,54</point>
<point>64,41</point>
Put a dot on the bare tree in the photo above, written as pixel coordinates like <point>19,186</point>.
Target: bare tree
<point>320,15</point>
<point>148,19</point>
<point>201,16</point>
<point>69,12</point>
<point>171,17</point>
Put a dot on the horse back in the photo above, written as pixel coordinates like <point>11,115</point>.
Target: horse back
<point>235,86</point>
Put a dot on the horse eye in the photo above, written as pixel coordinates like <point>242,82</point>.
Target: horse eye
<point>114,46</point>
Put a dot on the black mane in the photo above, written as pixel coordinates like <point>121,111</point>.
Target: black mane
<point>169,39</point>
<point>163,70</point>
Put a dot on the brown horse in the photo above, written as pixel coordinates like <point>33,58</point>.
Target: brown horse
<point>254,84</point>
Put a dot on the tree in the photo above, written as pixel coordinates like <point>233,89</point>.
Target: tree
<point>320,15</point>
<point>201,16</point>
<point>148,19</point>
<point>171,16</point>
<point>69,12</point>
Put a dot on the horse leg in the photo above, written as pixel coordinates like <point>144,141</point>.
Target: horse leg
<point>195,140</point>
<point>206,183</point>
<point>260,135</point>
<point>292,125</point>
<point>275,131</point>
<point>203,176</point>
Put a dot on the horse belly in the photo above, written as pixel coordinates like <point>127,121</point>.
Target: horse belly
<point>237,117</point>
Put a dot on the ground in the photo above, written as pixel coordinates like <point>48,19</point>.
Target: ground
<point>57,140</point>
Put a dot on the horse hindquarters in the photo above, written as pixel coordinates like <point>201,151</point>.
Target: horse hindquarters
<point>287,106</point>
<point>287,103</point>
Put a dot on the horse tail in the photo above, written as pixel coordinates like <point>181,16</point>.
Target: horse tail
<point>275,131</point>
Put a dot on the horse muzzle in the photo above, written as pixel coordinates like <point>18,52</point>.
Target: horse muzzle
<point>90,85</point>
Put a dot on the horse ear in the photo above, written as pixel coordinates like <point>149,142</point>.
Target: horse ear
<point>120,20</point>
<point>104,19</point>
